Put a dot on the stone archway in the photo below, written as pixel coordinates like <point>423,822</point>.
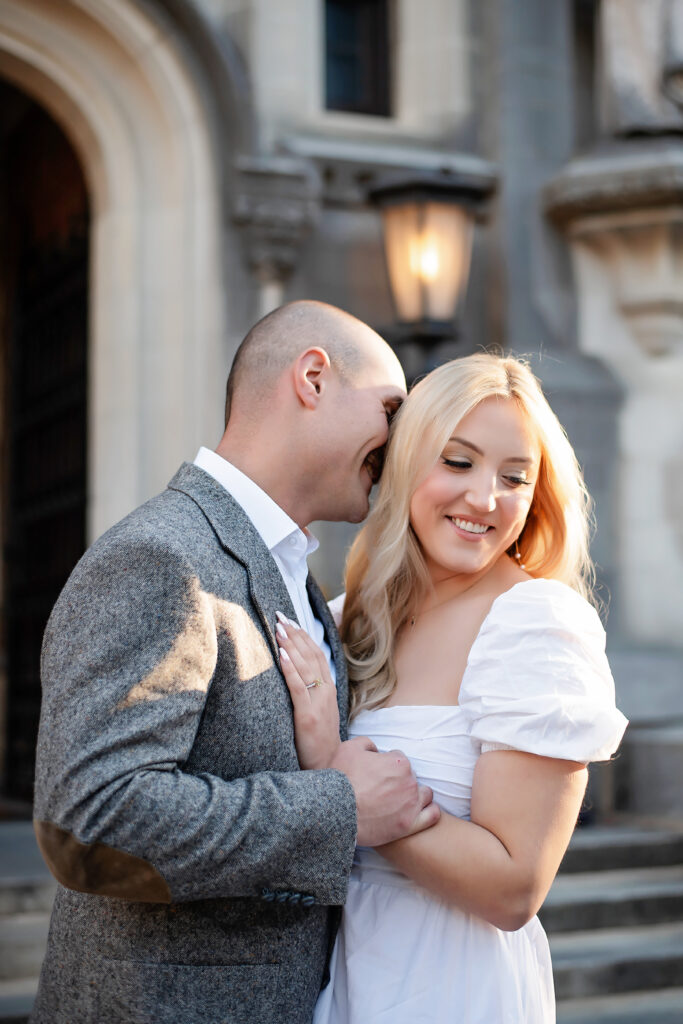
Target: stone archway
<point>122,82</point>
<point>156,111</point>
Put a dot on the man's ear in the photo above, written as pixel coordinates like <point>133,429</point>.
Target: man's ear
<point>311,372</point>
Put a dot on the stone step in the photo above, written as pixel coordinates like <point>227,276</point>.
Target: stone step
<point>611,848</point>
<point>26,895</point>
<point>612,899</point>
<point>16,1000</point>
<point>611,961</point>
<point>23,938</point>
<point>665,1007</point>
<point>19,853</point>
<point>649,769</point>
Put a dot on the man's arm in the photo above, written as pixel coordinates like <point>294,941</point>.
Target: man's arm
<point>128,660</point>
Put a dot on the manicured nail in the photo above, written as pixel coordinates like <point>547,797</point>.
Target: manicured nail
<point>293,624</point>
<point>281,617</point>
<point>283,655</point>
<point>281,631</point>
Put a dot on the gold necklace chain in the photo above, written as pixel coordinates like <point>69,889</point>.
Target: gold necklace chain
<point>435,606</point>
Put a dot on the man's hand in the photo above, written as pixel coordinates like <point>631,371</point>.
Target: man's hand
<point>389,802</point>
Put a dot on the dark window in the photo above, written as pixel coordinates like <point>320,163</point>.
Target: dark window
<point>357,68</point>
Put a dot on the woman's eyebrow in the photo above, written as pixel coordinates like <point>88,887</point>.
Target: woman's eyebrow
<point>467,444</point>
<point>512,458</point>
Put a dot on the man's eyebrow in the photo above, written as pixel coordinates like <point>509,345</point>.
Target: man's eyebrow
<point>512,458</point>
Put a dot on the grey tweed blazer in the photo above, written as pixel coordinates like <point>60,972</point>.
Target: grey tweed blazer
<point>201,871</point>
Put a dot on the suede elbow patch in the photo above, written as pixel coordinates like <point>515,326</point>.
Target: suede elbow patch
<point>98,869</point>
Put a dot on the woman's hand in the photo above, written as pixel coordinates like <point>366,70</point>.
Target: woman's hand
<point>314,695</point>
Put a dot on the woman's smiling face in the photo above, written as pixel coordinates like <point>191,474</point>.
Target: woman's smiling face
<point>473,504</point>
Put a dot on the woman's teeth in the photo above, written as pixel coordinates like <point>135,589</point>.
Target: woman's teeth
<point>465,524</point>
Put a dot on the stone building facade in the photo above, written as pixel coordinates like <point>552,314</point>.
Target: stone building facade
<point>216,172</point>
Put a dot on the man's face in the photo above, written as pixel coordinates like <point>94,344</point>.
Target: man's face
<point>357,417</point>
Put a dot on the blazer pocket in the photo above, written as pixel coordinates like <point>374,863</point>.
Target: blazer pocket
<point>140,992</point>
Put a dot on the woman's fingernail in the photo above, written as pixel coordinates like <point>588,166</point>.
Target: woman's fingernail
<point>283,655</point>
<point>292,623</point>
<point>281,631</point>
<point>281,617</point>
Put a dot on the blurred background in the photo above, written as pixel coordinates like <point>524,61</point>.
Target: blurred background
<point>461,174</point>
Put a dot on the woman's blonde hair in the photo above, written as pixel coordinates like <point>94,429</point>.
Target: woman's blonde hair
<point>386,575</point>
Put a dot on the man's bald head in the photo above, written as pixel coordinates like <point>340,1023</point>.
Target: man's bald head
<point>310,397</point>
<point>276,341</point>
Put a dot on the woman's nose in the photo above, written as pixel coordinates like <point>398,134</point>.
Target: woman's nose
<point>482,496</point>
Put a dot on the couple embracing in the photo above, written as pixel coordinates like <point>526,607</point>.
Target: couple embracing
<point>221,768</point>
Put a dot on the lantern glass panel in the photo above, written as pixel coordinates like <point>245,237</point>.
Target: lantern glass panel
<point>428,247</point>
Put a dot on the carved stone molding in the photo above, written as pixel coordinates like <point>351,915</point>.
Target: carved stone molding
<point>620,177</point>
<point>276,205</point>
<point>645,260</point>
<point>350,168</point>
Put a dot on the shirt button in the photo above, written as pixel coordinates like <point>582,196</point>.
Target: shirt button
<point>292,542</point>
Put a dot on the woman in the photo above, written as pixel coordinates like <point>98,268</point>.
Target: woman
<point>472,646</point>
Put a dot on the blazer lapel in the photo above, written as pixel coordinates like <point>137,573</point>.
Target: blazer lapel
<point>269,594</point>
<point>238,535</point>
<point>321,610</point>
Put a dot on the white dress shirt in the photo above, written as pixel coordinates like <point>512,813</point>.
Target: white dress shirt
<point>289,545</point>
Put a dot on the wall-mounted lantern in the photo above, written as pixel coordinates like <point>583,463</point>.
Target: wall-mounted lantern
<point>428,228</point>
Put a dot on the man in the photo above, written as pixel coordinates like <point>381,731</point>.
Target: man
<point>201,870</point>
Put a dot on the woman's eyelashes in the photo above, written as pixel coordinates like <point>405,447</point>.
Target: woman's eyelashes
<point>512,479</point>
<point>518,481</point>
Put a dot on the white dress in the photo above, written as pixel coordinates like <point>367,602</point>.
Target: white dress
<point>537,680</point>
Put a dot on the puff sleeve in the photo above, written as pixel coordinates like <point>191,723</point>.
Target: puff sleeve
<point>537,678</point>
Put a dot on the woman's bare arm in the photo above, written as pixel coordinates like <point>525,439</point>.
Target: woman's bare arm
<point>501,864</point>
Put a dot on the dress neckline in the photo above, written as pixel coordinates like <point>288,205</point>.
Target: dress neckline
<point>456,707</point>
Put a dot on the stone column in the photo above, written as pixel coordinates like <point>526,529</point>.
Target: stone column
<point>623,215</point>
<point>621,207</point>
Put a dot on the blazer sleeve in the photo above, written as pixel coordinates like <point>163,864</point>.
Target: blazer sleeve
<point>128,659</point>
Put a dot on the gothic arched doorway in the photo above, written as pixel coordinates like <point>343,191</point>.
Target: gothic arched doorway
<point>44,242</point>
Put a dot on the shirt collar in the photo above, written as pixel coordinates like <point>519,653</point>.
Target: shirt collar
<point>272,522</point>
